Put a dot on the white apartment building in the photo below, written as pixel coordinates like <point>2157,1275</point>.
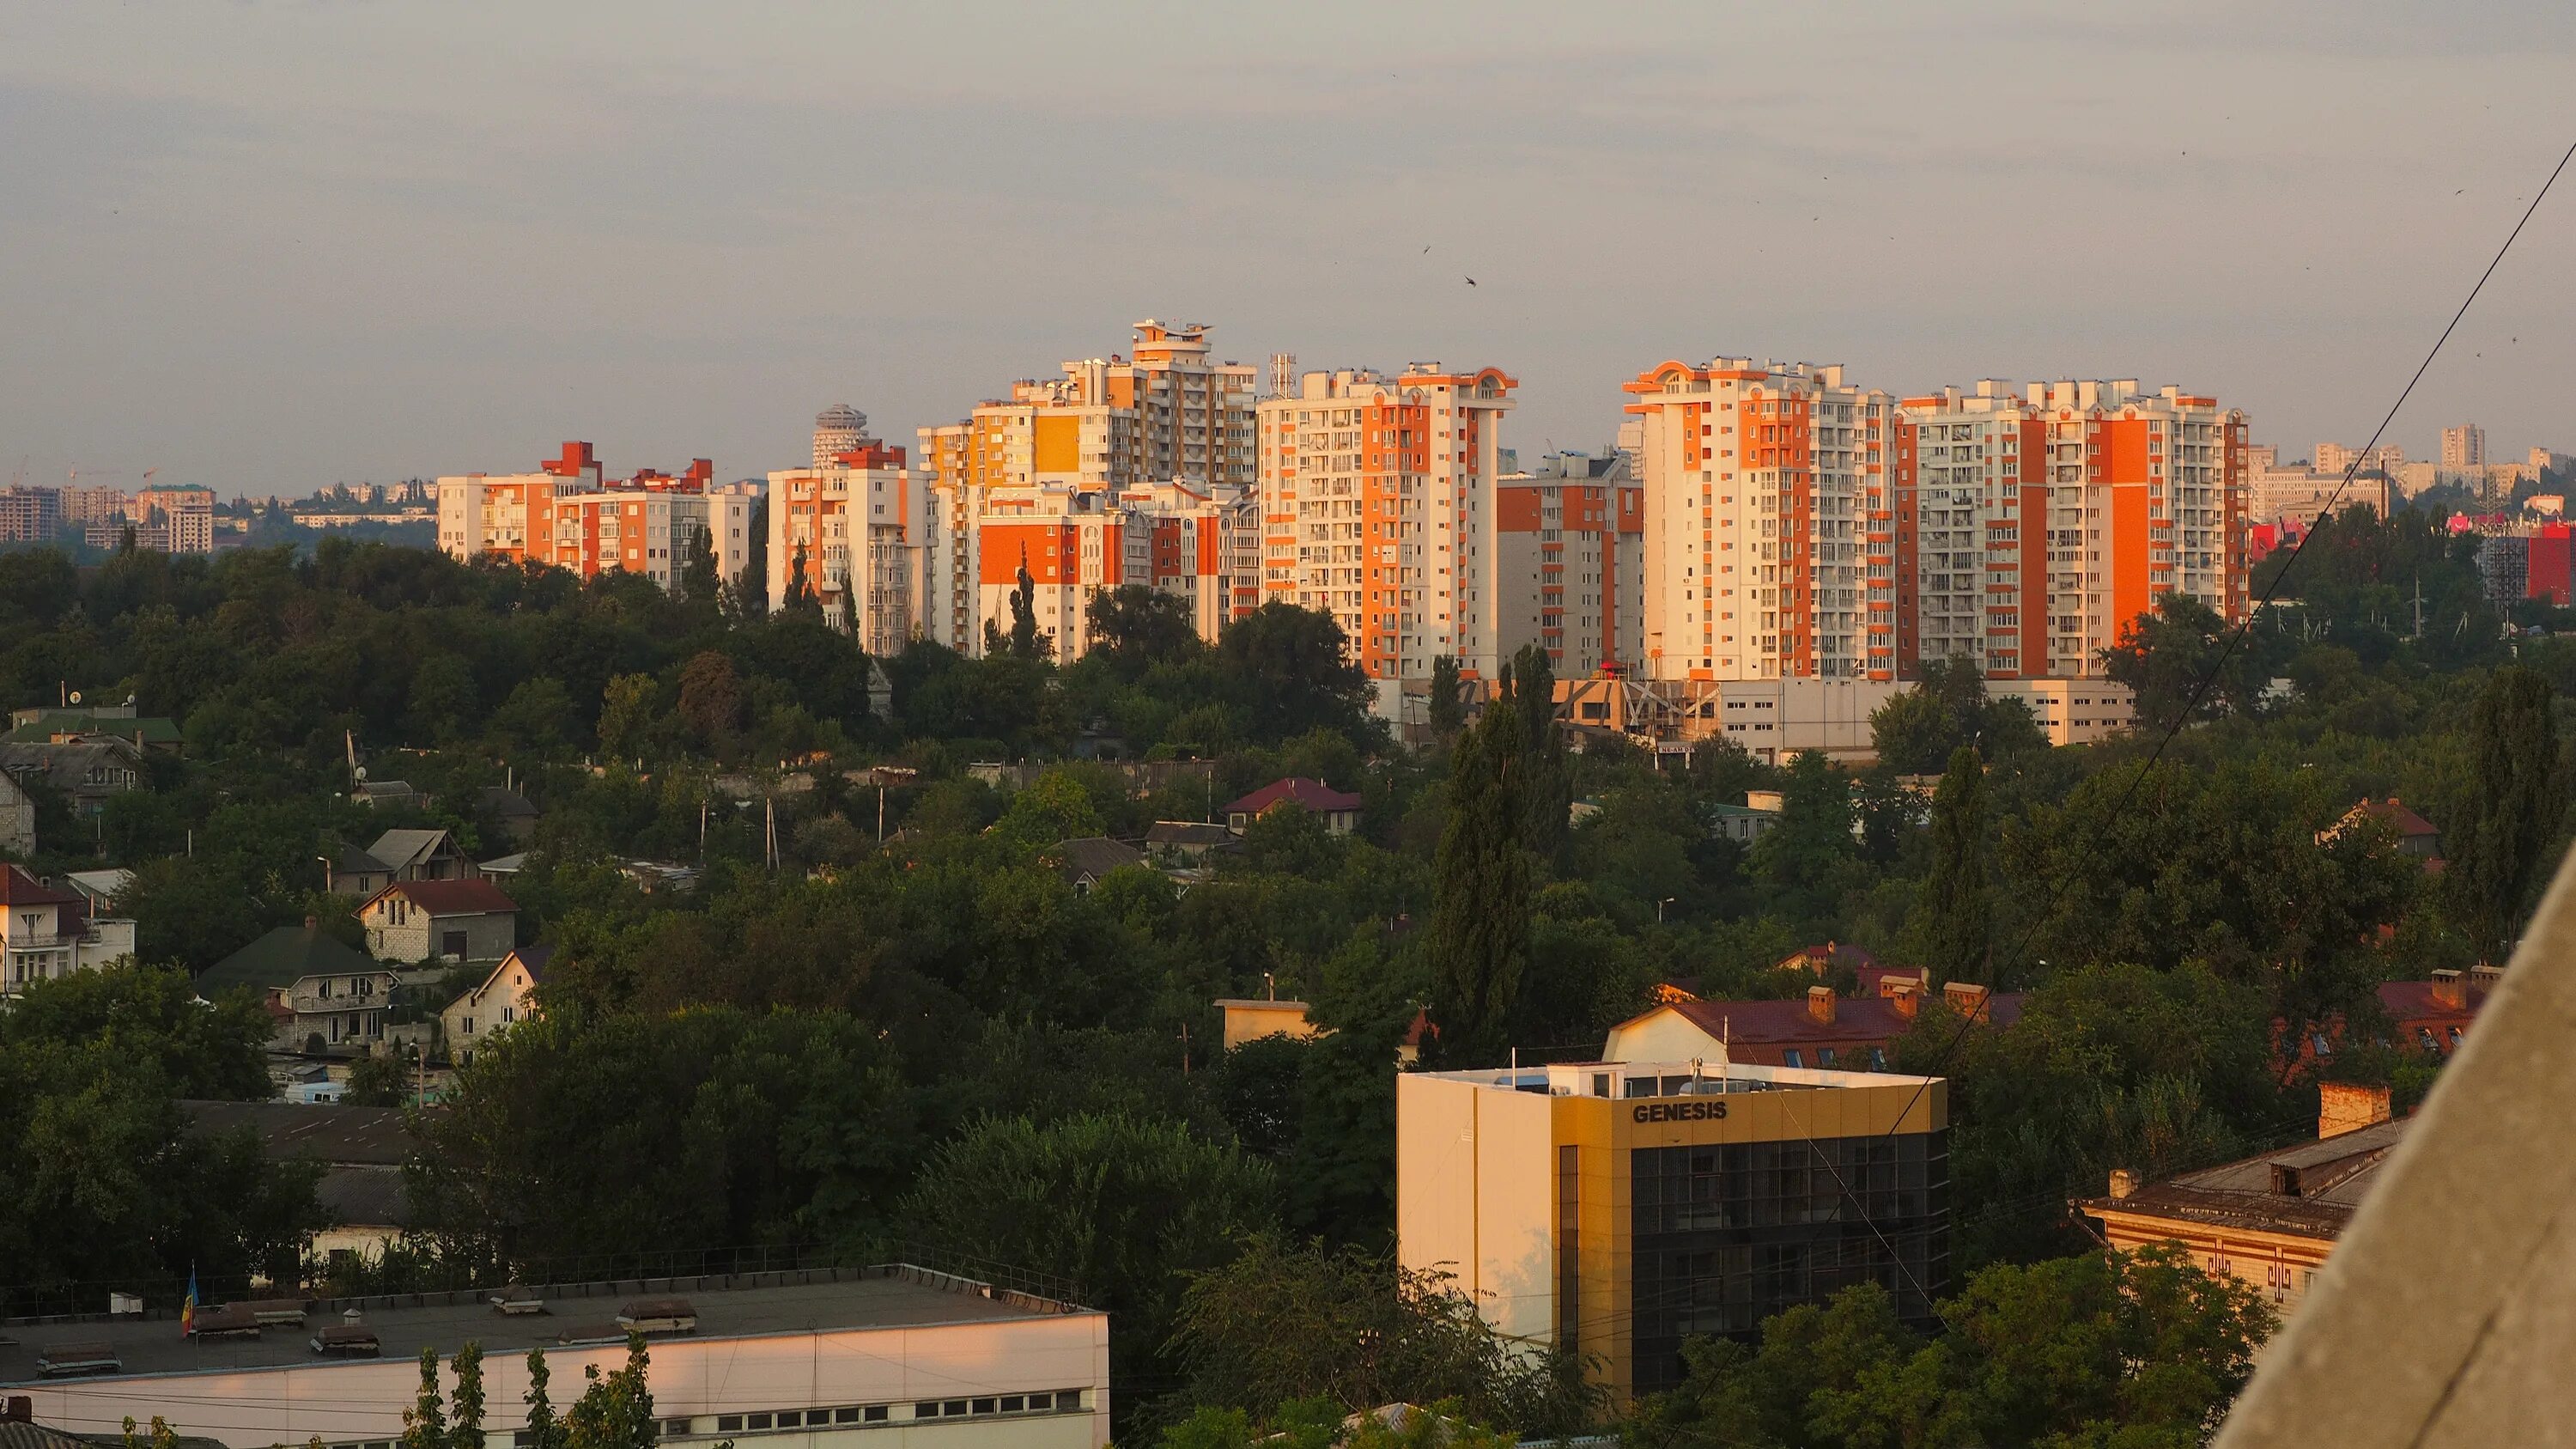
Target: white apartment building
<point>2464,446</point>
<point>858,530</point>
<point>47,933</point>
<point>1377,503</point>
<point>2035,526</point>
<point>1769,522</point>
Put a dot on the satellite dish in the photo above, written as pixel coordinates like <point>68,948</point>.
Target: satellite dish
<point>75,696</point>
<point>362,774</point>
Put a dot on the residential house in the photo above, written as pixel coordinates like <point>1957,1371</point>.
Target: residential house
<point>322,995</point>
<point>2270,1220</point>
<point>506,997</point>
<point>59,726</point>
<point>387,792</point>
<point>99,888</point>
<point>47,932</point>
<point>361,1151</point>
<point>1084,863</point>
<point>2416,836</point>
<point>1250,1020</point>
<point>1189,840</point>
<point>356,873</point>
<point>2431,1016</point>
<point>1340,812</point>
<point>86,772</point>
<point>440,920</point>
<point>1820,1029</point>
<point>421,855</point>
<point>509,810</point>
<point>1745,823</point>
<point>17,819</point>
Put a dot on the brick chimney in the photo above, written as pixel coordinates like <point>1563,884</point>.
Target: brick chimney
<point>1820,1005</point>
<point>1968,999</point>
<point>2343,1107</point>
<point>2449,991</point>
<point>2123,1183</point>
<point>1905,996</point>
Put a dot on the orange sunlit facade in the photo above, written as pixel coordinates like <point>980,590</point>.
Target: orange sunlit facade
<point>1377,507</point>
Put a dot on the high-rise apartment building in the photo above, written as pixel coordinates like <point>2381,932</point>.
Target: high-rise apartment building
<point>567,515</point>
<point>30,514</point>
<point>2034,528</point>
<point>1569,544</point>
<point>1770,522</point>
<point>855,532</point>
<point>2337,459</point>
<point>1378,508</point>
<point>2464,446</point>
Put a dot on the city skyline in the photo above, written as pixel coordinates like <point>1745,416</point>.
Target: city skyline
<point>267,251</point>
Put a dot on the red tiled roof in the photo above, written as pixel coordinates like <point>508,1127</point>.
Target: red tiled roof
<point>2400,819</point>
<point>448,897</point>
<point>17,888</point>
<point>1868,1019</point>
<point>1315,795</point>
<point>2410,1001</point>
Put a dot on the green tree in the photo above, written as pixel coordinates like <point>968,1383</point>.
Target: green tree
<point>1138,627</point>
<point>1291,671</point>
<point>2165,655</point>
<point>711,700</point>
<point>544,1430</point>
<point>1122,1208</point>
<point>1480,906</point>
<point>699,584</point>
<point>425,1422</point>
<point>616,1409</point>
<point>1547,785</point>
<point>1447,709</point>
<point>1958,916</point>
<point>747,597</point>
<point>1286,1321</point>
<point>2516,804</point>
<point>465,1406</point>
<point>1025,642</point>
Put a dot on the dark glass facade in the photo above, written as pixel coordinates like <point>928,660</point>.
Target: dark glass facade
<point>1727,1234</point>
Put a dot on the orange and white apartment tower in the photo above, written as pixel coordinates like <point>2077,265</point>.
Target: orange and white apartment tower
<point>1170,415</point>
<point>1770,528</point>
<point>1378,501</point>
<point>1198,544</point>
<point>1569,540</point>
<point>857,529</point>
<point>2034,527</point>
<point>566,516</point>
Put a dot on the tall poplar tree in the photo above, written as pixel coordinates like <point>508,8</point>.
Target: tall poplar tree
<point>1547,790</point>
<point>1480,903</point>
<point>2516,799</point>
<point>1958,910</point>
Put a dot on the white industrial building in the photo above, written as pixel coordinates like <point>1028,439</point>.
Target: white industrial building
<point>892,1357</point>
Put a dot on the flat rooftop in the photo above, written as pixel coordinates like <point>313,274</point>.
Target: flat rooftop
<point>1669,1079</point>
<point>727,1306</point>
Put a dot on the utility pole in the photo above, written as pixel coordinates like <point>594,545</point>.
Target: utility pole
<point>1185,1050</point>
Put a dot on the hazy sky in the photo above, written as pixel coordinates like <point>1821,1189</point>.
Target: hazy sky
<point>270,246</point>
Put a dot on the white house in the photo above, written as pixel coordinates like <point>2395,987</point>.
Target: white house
<point>46,932</point>
<point>506,997</point>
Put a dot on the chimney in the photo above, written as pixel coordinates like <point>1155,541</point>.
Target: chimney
<point>2484,977</point>
<point>1905,996</point>
<point>18,1409</point>
<point>2344,1107</point>
<point>2123,1183</point>
<point>1820,1005</point>
<point>2448,990</point>
<point>1967,999</point>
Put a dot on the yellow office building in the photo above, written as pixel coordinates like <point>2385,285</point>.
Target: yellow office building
<point>1621,1208</point>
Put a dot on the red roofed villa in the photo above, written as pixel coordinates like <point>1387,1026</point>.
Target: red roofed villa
<point>1339,812</point>
<point>440,920</point>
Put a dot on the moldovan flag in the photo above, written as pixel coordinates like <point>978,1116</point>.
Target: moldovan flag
<point>188,1309</point>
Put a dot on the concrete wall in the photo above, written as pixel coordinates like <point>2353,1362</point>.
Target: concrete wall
<point>1475,1195</point>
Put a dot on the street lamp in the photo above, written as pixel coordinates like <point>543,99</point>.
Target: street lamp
<point>1659,908</point>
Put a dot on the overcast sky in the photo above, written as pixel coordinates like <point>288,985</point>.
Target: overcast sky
<point>270,246</point>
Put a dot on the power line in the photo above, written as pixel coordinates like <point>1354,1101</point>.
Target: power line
<point>2244,627</point>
